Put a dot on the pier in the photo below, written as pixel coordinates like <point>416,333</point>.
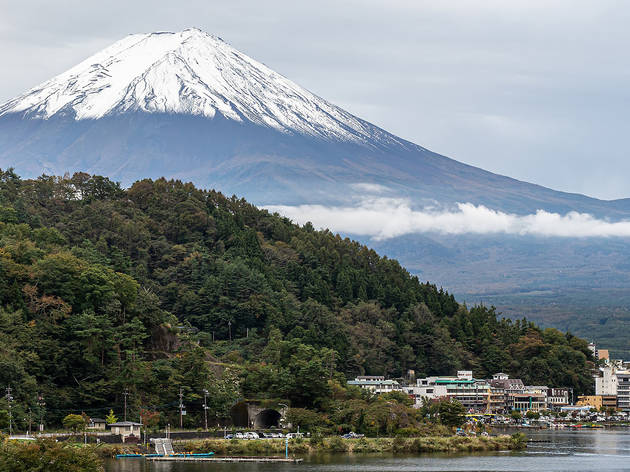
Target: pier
<point>187,458</point>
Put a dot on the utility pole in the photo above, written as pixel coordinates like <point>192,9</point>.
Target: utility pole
<point>125,394</point>
<point>332,364</point>
<point>30,421</point>
<point>181,409</point>
<point>41,404</point>
<point>205,407</point>
<point>9,400</point>
<point>230,329</point>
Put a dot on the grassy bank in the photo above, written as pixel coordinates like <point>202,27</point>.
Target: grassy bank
<point>337,444</point>
<point>47,456</point>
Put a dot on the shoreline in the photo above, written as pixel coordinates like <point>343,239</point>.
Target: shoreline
<point>419,445</point>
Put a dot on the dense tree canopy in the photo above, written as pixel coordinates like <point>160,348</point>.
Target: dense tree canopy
<point>164,285</point>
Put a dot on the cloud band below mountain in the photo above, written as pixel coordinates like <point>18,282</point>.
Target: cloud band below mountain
<point>384,218</point>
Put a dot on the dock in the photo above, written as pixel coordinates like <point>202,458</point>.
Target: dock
<point>187,458</point>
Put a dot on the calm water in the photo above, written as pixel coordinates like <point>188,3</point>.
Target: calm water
<point>570,451</point>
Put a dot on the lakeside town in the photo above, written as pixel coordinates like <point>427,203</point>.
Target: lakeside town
<point>502,399</point>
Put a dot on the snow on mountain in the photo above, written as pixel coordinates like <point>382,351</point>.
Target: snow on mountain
<point>189,72</point>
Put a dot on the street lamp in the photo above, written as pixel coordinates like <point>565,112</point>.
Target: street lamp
<point>205,407</point>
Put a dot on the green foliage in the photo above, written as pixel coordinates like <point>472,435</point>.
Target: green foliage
<point>74,422</point>
<point>307,420</point>
<point>452,413</point>
<point>519,441</point>
<point>532,415</point>
<point>111,418</point>
<point>163,286</point>
<point>47,456</point>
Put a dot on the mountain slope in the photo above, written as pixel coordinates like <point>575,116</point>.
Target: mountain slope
<point>188,105</point>
<point>106,284</point>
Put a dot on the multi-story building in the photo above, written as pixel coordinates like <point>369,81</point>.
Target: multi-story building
<point>376,384</point>
<point>623,390</point>
<point>557,398</point>
<point>598,402</point>
<point>606,383</point>
<point>473,394</point>
<point>509,385</point>
<point>528,401</point>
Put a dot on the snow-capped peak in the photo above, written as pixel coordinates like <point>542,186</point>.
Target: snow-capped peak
<point>188,72</point>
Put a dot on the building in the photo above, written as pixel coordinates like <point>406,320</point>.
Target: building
<point>529,401</point>
<point>606,383</point>
<point>126,429</point>
<point>594,401</point>
<point>623,390</point>
<point>473,394</point>
<point>557,398</point>
<point>376,384</point>
<point>603,355</point>
<point>497,400</point>
<point>509,385</point>
<point>598,401</point>
<point>97,423</point>
<point>574,409</point>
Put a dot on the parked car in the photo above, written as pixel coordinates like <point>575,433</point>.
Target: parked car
<point>239,436</point>
<point>229,436</point>
<point>294,435</point>
<point>352,435</point>
<point>251,435</point>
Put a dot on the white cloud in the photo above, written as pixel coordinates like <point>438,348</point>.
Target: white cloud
<point>384,218</point>
<point>369,188</point>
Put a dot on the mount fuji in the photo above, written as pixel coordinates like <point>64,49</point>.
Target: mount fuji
<point>187,105</point>
<point>190,106</point>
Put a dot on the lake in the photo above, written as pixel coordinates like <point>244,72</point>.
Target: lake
<point>570,451</point>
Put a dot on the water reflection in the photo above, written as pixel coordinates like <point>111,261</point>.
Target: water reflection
<point>562,450</point>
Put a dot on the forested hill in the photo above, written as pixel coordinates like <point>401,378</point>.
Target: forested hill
<point>164,285</point>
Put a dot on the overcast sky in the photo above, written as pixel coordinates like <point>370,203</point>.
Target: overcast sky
<point>536,90</point>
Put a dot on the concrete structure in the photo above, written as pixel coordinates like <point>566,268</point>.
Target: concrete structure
<point>258,414</point>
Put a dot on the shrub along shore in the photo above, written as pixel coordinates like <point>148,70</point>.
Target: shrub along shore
<point>429,444</point>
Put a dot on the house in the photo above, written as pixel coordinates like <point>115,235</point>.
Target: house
<point>97,423</point>
<point>126,429</point>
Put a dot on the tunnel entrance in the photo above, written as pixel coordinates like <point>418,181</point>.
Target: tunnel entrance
<point>267,419</point>
<point>240,415</point>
